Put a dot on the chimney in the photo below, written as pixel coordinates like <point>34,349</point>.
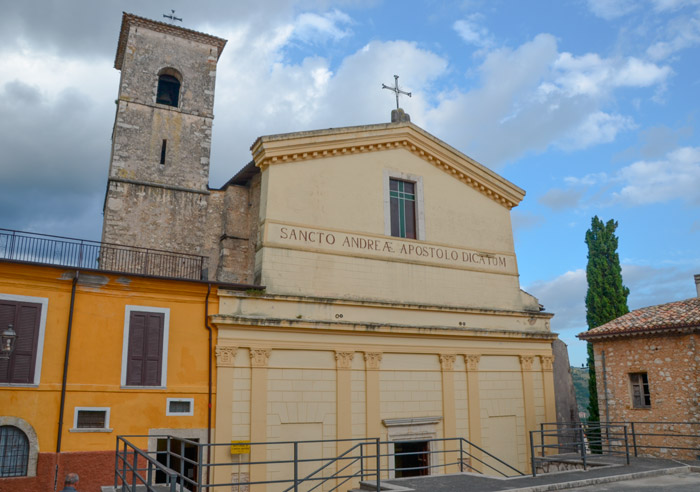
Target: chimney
<point>697,283</point>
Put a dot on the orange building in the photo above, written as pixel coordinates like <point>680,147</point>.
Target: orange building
<point>98,354</point>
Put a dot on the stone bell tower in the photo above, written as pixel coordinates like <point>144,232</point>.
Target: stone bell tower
<point>157,191</point>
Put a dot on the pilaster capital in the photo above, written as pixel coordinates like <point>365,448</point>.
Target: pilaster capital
<point>547,362</point>
<point>373,359</point>
<point>225,355</point>
<point>259,357</point>
<point>526,362</point>
<point>447,362</point>
<point>343,360</point>
<point>472,362</point>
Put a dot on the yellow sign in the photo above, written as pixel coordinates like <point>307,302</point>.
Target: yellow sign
<point>240,447</point>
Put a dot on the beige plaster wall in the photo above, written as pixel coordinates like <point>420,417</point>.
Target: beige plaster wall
<point>347,193</point>
<point>305,379</point>
<point>343,198</point>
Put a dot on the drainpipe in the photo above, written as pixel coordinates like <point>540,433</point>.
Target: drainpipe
<point>605,388</point>
<point>65,376</point>
<point>605,397</point>
<point>206,325</point>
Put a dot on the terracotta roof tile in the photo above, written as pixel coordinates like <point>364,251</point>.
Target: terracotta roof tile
<point>663,317</point>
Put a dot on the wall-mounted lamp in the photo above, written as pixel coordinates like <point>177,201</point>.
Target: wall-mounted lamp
<point>7,342</point>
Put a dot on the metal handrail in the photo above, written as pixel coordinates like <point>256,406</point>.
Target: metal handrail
<point>121,473</point>
<point>63,251</point>
<point>365,454</point>
<point>586,439</point>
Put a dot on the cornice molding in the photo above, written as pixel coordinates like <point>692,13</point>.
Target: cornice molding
<point>280,149</point>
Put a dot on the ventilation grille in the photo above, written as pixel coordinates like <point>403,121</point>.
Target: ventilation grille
<point>179,407</point>
<point>91,419</point>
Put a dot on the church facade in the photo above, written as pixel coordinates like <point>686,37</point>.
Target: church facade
<point>388,301</point>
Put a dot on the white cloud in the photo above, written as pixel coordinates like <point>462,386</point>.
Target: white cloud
<point>598,127</point>
<point>51,74</point>
<point>679,33</point>
<point>311,27</point>
<point>534,96</point>
<point>675,177</point>
<point>587,180</point>
<point>472,31</point>
<point>663,5</point>
<point>564,296</point>
<point>594,76</point>
<point>612,9</point>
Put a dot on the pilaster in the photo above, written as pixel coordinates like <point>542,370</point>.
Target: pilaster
<point>526,362</point>
<point>343,389</point>
<point>372,367</point>
<point>449,412</point>
<point>471,361</point>
<point>259,358</point>
<point>225,356</point>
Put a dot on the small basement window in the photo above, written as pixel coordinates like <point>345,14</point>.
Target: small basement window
<point>91,419</point>
<point>641,397</point>
<point>180,406</point>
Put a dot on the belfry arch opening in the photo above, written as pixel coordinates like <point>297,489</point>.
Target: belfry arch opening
<point>169,81</point>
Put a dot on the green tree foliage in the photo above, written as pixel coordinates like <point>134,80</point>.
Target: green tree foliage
<point>606,298</point>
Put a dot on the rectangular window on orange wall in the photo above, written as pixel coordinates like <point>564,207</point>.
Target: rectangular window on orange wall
<point>24,318</point>
<point>145,349</point>
<point>641,397</point>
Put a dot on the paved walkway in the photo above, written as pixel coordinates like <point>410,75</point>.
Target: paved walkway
<point>640,471</point>
<point>677,482</point>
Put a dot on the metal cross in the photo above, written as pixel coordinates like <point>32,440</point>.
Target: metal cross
<point>172,17</point>
<point>396,90</point>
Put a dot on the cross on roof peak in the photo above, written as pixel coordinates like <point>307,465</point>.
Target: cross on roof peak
<point>172,17</point>
<point>396,90</point>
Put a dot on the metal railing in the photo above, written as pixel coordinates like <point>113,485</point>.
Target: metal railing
<point>680,440</point>
<point>79,253</point>
<point>137,468</point>
<point>298,465</point>
<point>560,442</point>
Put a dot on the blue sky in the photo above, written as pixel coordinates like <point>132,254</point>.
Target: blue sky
<point>589,105</point>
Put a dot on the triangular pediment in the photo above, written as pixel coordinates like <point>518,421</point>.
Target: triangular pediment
<point>292,147</point>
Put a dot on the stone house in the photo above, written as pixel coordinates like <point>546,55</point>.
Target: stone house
<point>649,361</point>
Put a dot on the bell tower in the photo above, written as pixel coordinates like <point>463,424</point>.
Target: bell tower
<point>157,192</point>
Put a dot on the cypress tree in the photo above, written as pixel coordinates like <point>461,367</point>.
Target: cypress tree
<point>606,298</point>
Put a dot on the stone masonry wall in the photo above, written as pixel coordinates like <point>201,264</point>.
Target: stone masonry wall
<point>138,139</point>
<point>672,365</point>
<point>239,237</point>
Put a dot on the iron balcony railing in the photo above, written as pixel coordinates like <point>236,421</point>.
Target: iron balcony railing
<point>79,253</point>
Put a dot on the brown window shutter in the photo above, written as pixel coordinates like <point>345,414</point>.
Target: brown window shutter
<point>25,317</point>
<point>144,359</point>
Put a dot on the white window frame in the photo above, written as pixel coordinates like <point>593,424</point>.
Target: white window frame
<point>390,174</point>
<point>44,301</point>
<point>106,428</point>
<point>125,345</point>
<point>179,414</point>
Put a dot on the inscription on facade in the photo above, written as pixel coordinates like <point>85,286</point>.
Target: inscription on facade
<point>388,248</point>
